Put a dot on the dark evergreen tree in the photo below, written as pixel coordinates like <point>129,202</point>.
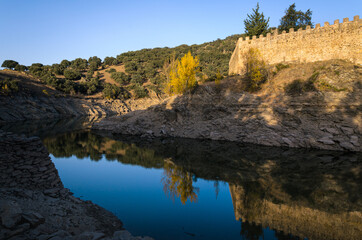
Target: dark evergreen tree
<point>295,19</point>
<point>10,64</point>
<point>256,24</point>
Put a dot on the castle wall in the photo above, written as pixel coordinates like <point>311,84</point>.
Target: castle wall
<point>337,41</point>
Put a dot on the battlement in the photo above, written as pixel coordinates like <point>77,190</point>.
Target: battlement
<point>341,40</point>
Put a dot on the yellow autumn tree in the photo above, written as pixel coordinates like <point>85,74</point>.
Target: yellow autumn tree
<point>183,75</point>
<point>255,69</point>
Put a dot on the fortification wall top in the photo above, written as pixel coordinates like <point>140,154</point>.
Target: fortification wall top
<point>318,28</point>
<point>341,40</point>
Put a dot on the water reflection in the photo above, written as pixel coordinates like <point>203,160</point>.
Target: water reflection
<point>178,182</point>
<point>299,193</point>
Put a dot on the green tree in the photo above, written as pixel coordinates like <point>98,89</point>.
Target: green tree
<point>109,61</point>
<point>72,74</point>
<point>65,63</point>
<point>79,64</point>
<point>94,63</point>
<point>21,68</point>
<point>10,64</point>
<point>256,24</point>
<point>295,19</point>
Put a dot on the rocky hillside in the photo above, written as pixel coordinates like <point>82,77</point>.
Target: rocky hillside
<point>34,100</point>
<point>304,105</point>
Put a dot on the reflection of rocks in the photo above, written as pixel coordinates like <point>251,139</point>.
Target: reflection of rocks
<point>285,189</point>
<point>296,220</point>
<point>35,205</point>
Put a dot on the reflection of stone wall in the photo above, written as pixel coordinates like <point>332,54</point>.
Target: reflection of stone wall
<point>25,163</point>
<point>296,219</point>
<point>337,41</point>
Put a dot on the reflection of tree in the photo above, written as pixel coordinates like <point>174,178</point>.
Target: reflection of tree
<point>251,231</point>
<point>178,182</point>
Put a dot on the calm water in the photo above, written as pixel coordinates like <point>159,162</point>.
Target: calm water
<point>188,189</point>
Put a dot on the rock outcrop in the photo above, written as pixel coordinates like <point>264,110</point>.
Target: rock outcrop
<point>22,107</point>
<point>35,205</point>
<point>330,120</point>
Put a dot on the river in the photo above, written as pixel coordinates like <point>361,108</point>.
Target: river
<point>175,188</point>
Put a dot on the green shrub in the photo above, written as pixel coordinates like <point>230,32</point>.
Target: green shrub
<point>8,86</point>
<point>298,87</point>
<point>111,91</point>
<point>137,79</point>
<point>111,70</point>
<point>139,91</point>
<point>120,77</point>
<point>281,66</point>
<point>72,74</point>
<point>21,68</point>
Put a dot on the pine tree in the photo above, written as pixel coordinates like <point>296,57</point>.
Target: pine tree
<point>295,19</point>
<point>256,24</point>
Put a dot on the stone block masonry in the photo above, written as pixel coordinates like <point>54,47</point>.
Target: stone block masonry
<point>25,163</point>
<point>337,41</point>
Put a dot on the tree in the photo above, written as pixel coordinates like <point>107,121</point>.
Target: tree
<point>109,61</point>
<point>94,63</point>
<point>79,64</point>
<point>183,77</point>
<point>21,68</point>
<point>65,63</point>
<point>255,69</point>
<point>256,24</point>
<point>72,74</point>
<point>295,19</point>
<point>10,64</point>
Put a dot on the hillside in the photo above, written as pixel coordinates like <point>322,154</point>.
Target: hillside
<point>134,74</point>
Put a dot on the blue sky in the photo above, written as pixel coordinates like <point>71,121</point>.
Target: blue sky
<point>48,31</point>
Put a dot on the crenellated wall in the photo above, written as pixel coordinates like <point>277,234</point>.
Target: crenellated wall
<point>337,41</point>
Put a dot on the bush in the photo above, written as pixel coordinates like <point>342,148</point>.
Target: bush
<point>137,79</point>
<point>58,69</point>
<point>139,91</point>
<point>111,91</point>
<point>79,64</point>
<point>111,70</point>
<point>21,68</point>
<point>281,66</point>
<point>298,86</point>
<point>109,61</point>
<point>36,69</point>
<point>120,77</point>
<point>72,74</point>
<point>8,86</point>
<point>256,73</point>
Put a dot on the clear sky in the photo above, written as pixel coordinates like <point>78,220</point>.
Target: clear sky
<point>48,31</point>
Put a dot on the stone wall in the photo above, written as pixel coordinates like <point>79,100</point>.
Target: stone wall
<point>25,164</point>
<point>337,41</point>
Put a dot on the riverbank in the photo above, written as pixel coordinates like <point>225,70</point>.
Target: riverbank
<point>329,121</point>
<point>34,203</point>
